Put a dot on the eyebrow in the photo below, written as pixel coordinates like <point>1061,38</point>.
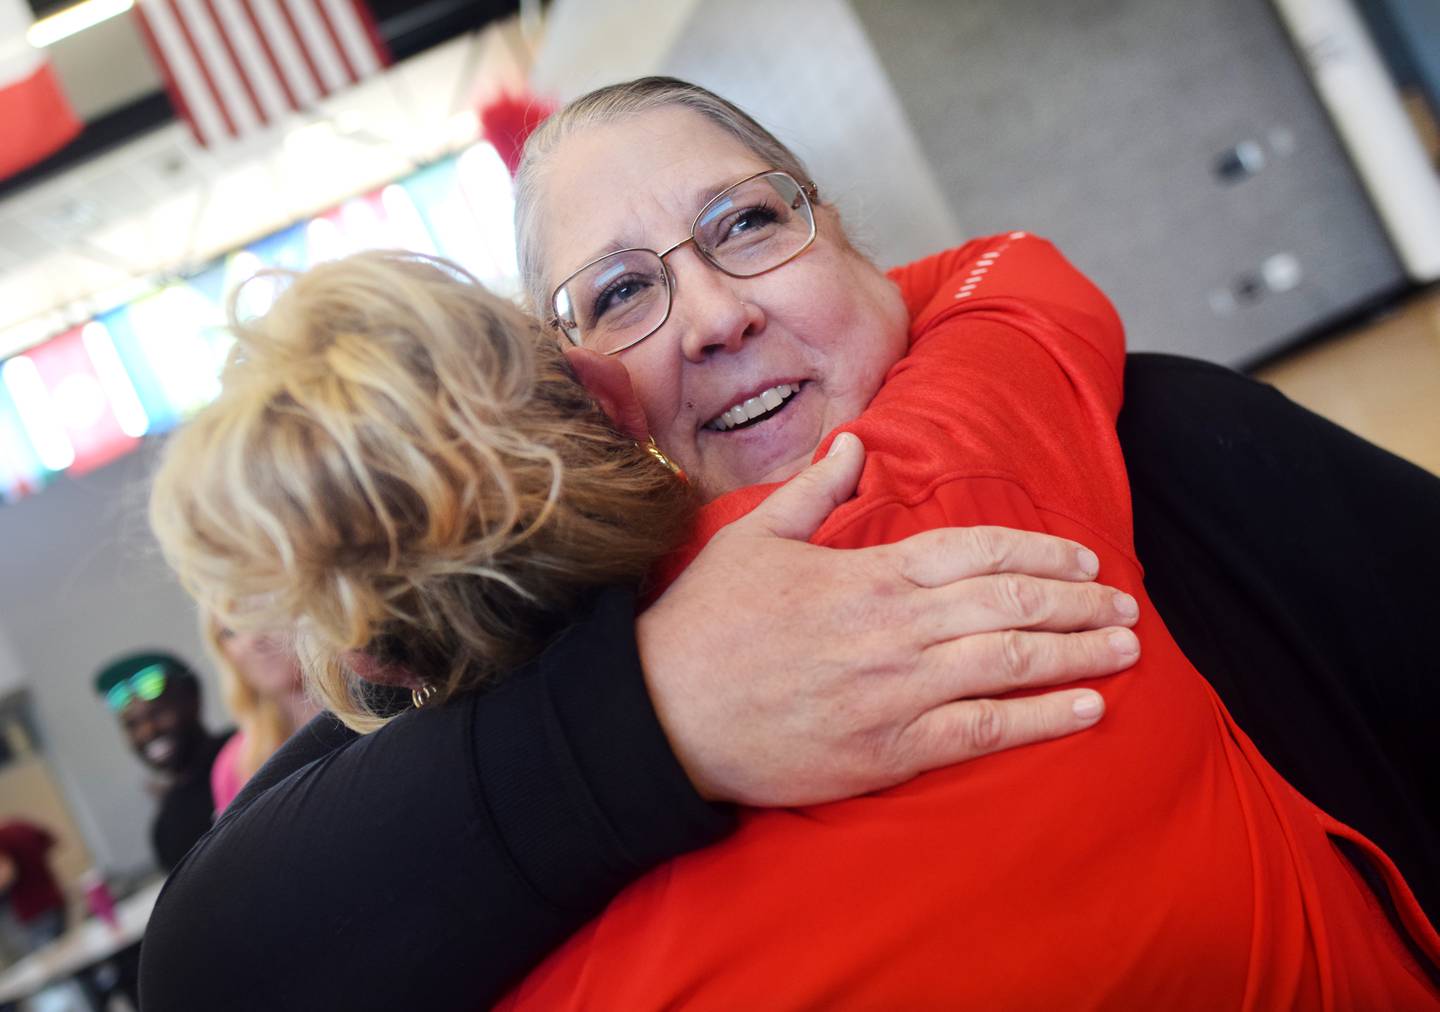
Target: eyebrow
<point>705,194</point>
<point>702,195</point>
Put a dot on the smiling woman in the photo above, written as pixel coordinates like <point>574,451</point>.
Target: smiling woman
<point>1002,411</point>
<point>824,322</point>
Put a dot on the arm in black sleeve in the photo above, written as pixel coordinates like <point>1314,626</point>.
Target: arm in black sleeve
<point>430,864</point>
<point>1296,566</point>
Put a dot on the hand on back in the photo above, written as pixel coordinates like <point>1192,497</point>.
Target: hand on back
<point>787,674</point>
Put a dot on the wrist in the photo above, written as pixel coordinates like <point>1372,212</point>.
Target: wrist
<point>656,651</point>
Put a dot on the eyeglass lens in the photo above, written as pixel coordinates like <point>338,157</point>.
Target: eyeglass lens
<point>752,227</point>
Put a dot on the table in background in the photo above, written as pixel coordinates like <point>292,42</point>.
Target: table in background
<point>84,946</point>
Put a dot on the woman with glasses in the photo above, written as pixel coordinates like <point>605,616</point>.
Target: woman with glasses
<point>835,328</point>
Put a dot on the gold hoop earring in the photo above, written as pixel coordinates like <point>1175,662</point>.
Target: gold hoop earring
<point>422,694</point>
<point>665,462</point>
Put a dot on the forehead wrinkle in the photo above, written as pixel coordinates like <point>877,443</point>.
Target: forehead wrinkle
<point>708,192</point>
<point>672,199</point>
<point>700,196</point>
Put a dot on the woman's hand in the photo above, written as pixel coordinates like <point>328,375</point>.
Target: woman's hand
<point>787,674</point>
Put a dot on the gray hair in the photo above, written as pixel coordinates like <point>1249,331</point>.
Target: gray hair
<point>609,105</point>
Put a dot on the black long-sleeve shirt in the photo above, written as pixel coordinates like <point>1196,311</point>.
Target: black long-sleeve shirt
<point>430,864</point>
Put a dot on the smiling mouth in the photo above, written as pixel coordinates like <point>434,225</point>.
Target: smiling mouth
<point>160,750</point>
<point>753,410</point>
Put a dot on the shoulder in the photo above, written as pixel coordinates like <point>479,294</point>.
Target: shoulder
<point>937,281</point>
<point>920,280</point>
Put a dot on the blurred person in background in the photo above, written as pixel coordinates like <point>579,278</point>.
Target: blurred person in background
<point>156,699</point>
<point>29,891</point>
<point>264,691</point>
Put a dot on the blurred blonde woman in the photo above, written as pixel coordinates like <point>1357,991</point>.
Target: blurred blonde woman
<point>264,691</point>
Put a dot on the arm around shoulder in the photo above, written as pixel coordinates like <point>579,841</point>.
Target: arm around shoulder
<point>431,863</point>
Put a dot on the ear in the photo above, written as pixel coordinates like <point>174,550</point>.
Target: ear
<point>608,381</point>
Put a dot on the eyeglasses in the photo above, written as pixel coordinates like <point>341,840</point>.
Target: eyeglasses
<point>148,683</point>
<point>618,300</point>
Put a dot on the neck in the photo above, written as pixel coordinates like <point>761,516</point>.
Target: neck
<point>297,708</point>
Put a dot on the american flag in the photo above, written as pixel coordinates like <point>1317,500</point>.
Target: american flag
<point>234,67</point>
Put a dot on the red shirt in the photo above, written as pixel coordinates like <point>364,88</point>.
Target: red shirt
<point>1155,861</point>
<point>34,890</point>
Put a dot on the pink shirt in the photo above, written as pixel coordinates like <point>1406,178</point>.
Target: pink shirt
<point>225,778</point>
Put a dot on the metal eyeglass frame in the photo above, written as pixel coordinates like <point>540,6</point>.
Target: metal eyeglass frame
<point>807,190</point>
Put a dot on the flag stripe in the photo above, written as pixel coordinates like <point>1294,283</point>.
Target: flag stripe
<point>294,55</point>
<point>353,36</point>
<point>172,86</point>
<point>235,67</point>
<point>323,19</point>
<point>264,77</point>
<point>183,40</point>
<point>229,89</point>
<point>375,42</point>
<point>189,94</point>
<point>226,36</point>
<point>260,37</point>
<point>311,31</point>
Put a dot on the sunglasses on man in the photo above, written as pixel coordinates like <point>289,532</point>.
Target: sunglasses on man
<point>148,683</point>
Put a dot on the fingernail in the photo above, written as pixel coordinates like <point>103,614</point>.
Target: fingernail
<point>1124,643</point>
<point>1089,563</point>
<point>837,443</point>
<point>1125,605</point>
<point>1088,706</point>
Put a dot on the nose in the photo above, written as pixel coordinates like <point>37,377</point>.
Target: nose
<point>708,308</point>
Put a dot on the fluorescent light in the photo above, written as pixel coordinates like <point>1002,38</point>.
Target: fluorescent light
<point>48,31</point>
<point>124,402</point>
<point>37,413</point>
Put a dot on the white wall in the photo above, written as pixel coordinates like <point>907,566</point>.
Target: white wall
<point>81,583</point>
<point>12,673</point>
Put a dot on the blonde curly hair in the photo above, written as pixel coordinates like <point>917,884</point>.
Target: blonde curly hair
<point>399,464</point>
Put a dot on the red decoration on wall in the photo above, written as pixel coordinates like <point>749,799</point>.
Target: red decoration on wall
<point>507,120</point>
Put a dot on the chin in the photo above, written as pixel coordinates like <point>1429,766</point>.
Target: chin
<point>776,473</point>
<point>785,472</point>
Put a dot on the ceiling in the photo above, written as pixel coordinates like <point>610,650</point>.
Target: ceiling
<point>76,239</point>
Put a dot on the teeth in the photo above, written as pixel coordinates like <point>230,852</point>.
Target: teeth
<point>753,407</point>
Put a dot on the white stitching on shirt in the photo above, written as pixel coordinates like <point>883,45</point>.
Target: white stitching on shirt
<point>983,265</point>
